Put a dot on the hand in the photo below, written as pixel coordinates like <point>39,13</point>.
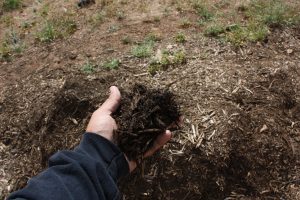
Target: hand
<point>103,124</point>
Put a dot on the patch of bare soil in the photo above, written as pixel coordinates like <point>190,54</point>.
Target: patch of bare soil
<point>42,114</point>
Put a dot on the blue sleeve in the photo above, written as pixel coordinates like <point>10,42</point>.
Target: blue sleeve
<point>90,171</point>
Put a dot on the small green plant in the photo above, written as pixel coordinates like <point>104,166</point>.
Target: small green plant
<point>185,23</point>
<point>167,59</point>
<point>5,52</point>
<point>214,30</point>
<point>47,33</point>
<point>180,38</point>
<point>179,57</point>
<point>112,64</point>
<point>152,37</point>
<point>143,50</point>
<point>97,19</point>
<point>9,5</point>
<point>88,67</point>
<point>273,13</point>
<point>251,33</point>
<point>12,44</point>
<point>202,10</point>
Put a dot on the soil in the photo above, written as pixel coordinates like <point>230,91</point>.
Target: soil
<point>241,132</point>
<point>143,115</point>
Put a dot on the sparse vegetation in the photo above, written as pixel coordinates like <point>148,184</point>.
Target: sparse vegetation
<point>152,37</point>
<point>166,60</point>
<point>47,34</point>
<point>260,17</point>
<point>12,43</point>
<point>9,5</point>
<point>203,11</point>
<point>180,38</point>
<point>185,23</point>
<point>238,90</point>
<point>143,50</point>
<point>252,32</point>
<point>112,64</point>
<point>214,30</point>
<point>273,13</point>
<point>97,19</point>
<point>88,67</point>
<point>56,28</point>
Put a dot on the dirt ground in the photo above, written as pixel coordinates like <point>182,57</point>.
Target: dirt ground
<point>240,138</point>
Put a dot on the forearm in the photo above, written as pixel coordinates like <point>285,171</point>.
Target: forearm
<point>89,172</point>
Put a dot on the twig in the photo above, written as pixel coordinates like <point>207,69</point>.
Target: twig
<point>142,74</point>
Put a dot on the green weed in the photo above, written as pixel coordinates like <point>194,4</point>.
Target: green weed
<point>203,11</point>
<point>152,37</point>
<point>97,19</point>
<point>259,17</point>
<point>48,33</point>
<point>273,13</point>
<point>9,5</point>
<point>167,59</point>
<point>88,67</point>
<point>214,30</point>
<point>12,44</point>
<point>180,38</point>
<point>251,33</point>
<point>5,52</point>
<point>112,64</point>
<point>143,50</point>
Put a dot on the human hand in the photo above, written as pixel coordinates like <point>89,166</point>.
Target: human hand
<point>103,124</point>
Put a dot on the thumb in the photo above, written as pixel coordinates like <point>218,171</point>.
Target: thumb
<point>112,103</point>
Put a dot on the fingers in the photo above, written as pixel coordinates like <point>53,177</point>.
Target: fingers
<point>112,103</point>
<point>160,141</point>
